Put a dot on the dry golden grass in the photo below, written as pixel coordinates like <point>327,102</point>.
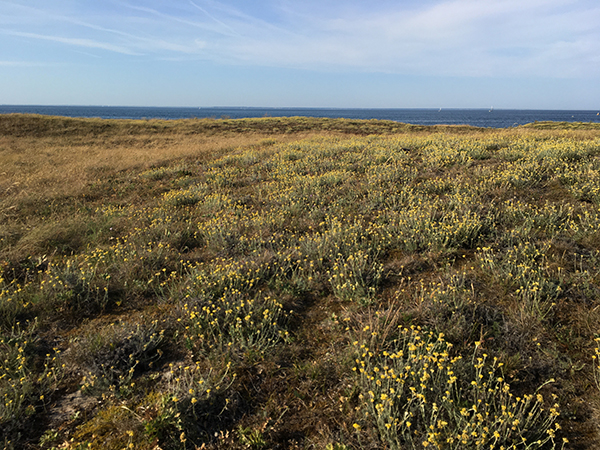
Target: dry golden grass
<point>56,156</point>
<point>55,166</point>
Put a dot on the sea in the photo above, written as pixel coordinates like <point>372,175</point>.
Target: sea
<point>483,117</point>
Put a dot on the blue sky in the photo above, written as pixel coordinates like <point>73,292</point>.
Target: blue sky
<point>329,53</point>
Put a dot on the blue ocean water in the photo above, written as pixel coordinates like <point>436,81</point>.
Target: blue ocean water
<point>491,118</point>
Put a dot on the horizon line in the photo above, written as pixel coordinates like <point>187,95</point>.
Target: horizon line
<point>294,107</point>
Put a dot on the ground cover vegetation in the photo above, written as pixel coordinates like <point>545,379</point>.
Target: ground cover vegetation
<point>298,283</point>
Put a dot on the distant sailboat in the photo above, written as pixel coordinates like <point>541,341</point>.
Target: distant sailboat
<point>440,110</point>
<point>491,109</point>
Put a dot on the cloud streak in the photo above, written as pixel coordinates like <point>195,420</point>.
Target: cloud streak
<point>230,31</point>
<point>22,64</point>
<point>77,42</point>
<point>454,38</point>
<point>511,38</point>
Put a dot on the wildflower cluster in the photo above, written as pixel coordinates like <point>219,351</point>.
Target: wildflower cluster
<point>525,270</point>
<point>596,362</point>
<point>235,321</point>
<point>418,395</point>
<point>111,356</point>
<point>453,294</point>
<point>192,388</point>
<point>190,396</point>
<point>354,278</point>
<point>187,196</point>
<point>23,388</point>
<point>440,152</point>
<point>582,180</point>
<point>14,299</point>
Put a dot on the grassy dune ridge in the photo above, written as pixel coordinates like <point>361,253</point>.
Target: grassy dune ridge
<point>298,283</point>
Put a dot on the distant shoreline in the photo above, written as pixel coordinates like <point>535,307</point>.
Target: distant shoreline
<point>36,125</point>
<point>484,117</point>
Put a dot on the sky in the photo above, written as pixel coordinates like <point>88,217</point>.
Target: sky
<point>525,54</point>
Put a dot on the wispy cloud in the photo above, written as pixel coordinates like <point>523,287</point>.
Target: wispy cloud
<point>111,30</point>
<point>556,38</point>
<point>460,37</point>
<point>77,42</point>
<point>22,64</point>
<point>226,27</point>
